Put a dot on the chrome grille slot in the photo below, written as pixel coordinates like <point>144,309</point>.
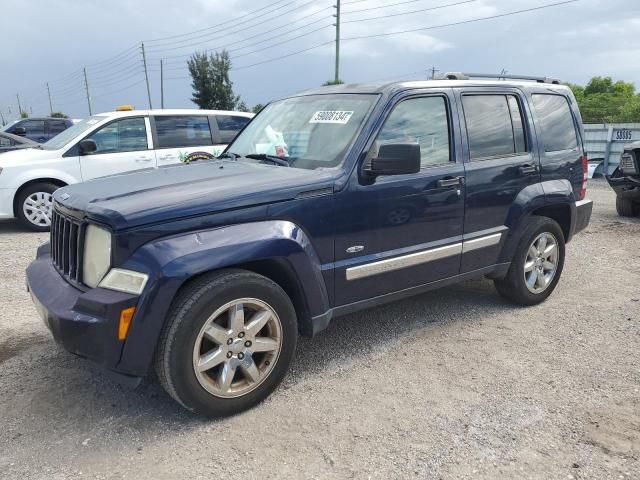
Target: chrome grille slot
<point>66,245</point>
<point>627,164</point>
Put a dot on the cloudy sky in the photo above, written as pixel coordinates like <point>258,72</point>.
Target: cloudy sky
<point>51,41</point>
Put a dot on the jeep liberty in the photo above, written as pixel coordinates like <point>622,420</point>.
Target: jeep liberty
<point>328,202</point>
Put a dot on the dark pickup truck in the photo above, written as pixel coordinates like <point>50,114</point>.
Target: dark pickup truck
<point>328,202</point>
<point>625,181</point>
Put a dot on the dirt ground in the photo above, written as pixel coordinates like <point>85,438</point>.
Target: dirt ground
<point>450,384</point>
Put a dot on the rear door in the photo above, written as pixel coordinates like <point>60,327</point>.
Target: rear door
<point>558,137</point>
<point>500,161</point>
<point>124,145</point>
<point>178,138</point>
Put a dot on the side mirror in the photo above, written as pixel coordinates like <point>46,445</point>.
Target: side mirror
<point>19,131</point>
<point>396,159</point>
<point>87,146</point>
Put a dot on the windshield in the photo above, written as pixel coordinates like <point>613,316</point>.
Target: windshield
<point>72,132</point>
<point>310,132</point>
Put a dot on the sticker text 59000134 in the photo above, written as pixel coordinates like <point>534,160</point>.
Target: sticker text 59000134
<point>331,116</point>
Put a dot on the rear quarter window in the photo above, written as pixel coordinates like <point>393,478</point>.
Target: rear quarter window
<point>175,131</point>
<point>230,125</point>
<point>555,122</point>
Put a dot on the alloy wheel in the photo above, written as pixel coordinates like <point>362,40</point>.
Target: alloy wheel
<point>541,263</point>
<point>237,347</point>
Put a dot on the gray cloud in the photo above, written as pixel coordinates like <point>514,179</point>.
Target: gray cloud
<point>52,41</point>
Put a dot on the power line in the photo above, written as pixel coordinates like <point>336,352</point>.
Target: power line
<point>233,27</point>
<point>271,30</point>
<point>378,7</point>
<point>218,25</point>
<point>411,12</point>
<point>463,22</point>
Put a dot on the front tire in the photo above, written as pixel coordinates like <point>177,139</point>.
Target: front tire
<point>228,342</point>
<point>626,207</point>
<point>537,264</point>
<point>34,204</point>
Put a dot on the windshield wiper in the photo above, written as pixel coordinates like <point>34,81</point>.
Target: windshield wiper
<point>235,156</point>
<point>268,158</point>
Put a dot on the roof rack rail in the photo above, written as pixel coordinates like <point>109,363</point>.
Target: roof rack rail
<point>500,76</point>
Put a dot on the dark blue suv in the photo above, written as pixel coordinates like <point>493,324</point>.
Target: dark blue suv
<point>330,201</point>
<point>39,130</point>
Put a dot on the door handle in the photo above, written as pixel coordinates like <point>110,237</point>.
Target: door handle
<point>450,182</point>
<point>527,169</point>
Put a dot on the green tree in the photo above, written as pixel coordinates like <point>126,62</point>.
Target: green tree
<point>24,114</point>
<point>257,107</point>
<point>59,115</point>
<point>212,88</point>
<point>604,101</point>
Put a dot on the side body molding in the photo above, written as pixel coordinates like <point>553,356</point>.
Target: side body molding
<point>171,261</point>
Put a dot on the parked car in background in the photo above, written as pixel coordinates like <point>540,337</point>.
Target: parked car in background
<point>328,202</point>
<point>9,141</point>
<point>106,144</point>
<point>625,181</point>
<point>39,129</point>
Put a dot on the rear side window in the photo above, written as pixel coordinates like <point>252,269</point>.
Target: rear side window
<point>230,125</point>
<point>175,131</point>
<point>494,125</point>
<point>57,126</point>
<point>556,122</point>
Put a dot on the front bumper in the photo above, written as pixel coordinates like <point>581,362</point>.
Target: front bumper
<point>83,322</point>
<point>6,202</point>
<point>625,186</point>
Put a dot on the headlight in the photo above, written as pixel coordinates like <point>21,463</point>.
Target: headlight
<point>97,255</point>
<point>126,281</point>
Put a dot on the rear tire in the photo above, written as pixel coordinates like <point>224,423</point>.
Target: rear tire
<point>626,207</point>
<point>34,204</point>
<point>536,265</point>
<point>227,344</point>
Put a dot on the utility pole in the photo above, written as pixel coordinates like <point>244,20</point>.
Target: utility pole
<point>146,74</point>
<point>2,118</point>
<point>19,106</point>
<point>433,72</point>
<point>336,79</point>
<point>86,87</point>
<point>50,104</point>
<point>161,85</point>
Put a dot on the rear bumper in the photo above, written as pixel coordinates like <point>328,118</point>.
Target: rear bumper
<point>626,187</point>
<point>83,322</point>
<point>583,215</point>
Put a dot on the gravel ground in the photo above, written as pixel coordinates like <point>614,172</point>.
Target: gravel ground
<point>451,384</point>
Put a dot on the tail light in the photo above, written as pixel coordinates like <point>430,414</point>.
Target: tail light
<point>583,187</point>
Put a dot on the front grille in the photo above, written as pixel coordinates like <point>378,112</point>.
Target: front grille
<point>66,245</point>
<point>627,164</point>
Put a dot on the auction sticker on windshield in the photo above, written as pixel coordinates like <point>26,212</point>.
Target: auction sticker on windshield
<point>331,116</point>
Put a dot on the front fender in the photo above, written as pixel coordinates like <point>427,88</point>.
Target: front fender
<point>170,262</point>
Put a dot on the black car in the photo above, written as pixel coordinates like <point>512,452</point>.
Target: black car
<point>625,181</point>
<point>9,141</point>
<point>39,129</point>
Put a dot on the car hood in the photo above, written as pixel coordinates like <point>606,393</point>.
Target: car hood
<point>20,157</point>
<point>164,194</point>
